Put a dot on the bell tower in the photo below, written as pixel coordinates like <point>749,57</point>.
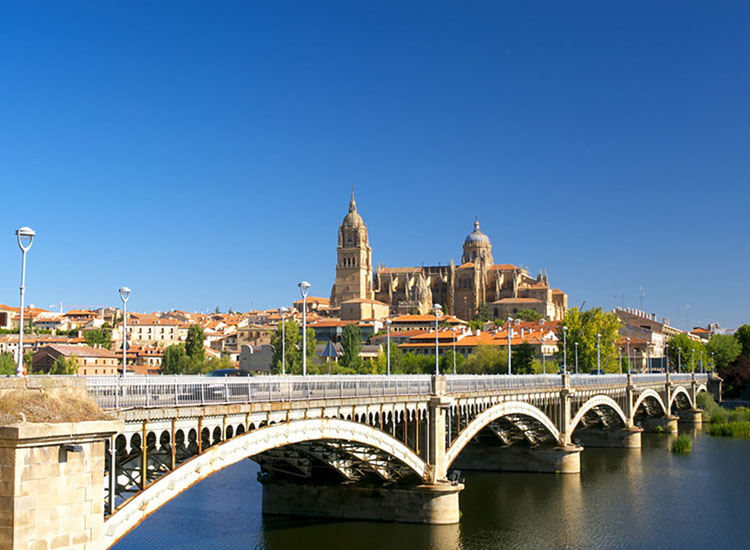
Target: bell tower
<point>353,259</point>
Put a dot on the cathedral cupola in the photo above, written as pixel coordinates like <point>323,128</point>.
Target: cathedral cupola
<point>353,219</point>
<point>477,246</point>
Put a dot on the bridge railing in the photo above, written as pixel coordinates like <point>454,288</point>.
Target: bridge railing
<point>463,383</point>
<point>112,392</point>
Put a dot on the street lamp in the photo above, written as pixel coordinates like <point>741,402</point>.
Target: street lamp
<point>509,329</point>
<point>453,330</point>
<point>565,350</point>
<point>692,359</point>
<point>666,358</point>
<point>25,237</point>
<point>124,295</point>
<point>628,341</point>
<point>282,311</point>
<point>598,355</point>
<point>576,344</point>
<point>304,287</point>
<point>713,364</point>
<point>438,308</point>
<point>702,368</point>
<point>679,359</point>
<point>388,345</point>
<point>619,358</point>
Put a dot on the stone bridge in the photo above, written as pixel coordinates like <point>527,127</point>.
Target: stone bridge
<point>384,448</point>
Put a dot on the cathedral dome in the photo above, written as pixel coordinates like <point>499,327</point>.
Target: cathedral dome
<point>476,236</point>
<point>353,219</point>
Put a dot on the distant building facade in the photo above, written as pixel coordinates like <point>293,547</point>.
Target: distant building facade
<point>503,289</point>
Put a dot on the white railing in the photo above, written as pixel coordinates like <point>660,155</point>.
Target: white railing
<point>114,392</point>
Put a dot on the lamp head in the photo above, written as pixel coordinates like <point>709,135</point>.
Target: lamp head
<point>388,322</point>
<point>124,294</point>
<point>304,286</point>
<point>25,236</point>
<point>283,310</point>
<point>438,309</point>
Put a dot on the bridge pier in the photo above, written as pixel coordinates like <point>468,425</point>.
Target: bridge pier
<point>432,504</point>
<point>555,460</point>
<point>691,416</point>
<point>52,483</point>
<point>629,438</point>
<point>667,423</point>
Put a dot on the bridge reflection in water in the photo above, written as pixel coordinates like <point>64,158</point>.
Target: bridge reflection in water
<point>368,447</point>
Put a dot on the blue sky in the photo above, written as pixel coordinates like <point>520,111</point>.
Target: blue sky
<point>202,153</point>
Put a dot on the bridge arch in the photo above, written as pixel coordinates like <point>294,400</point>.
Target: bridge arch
<point>490,415</point>
<point>229,452</point>
<point>649,393</point>
<point>680,390</point>
<point>701,388</point>
<point>597,401</point>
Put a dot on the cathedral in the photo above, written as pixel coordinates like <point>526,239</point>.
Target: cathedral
<point>478,281</point>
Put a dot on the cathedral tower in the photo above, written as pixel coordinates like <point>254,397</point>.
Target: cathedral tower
<point>353,260</point>
<point>477,247</point>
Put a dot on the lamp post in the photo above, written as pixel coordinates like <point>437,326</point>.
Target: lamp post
<point>692,359</point>
<point>598,354</point>
<point>702,367</point>
<point>453,330</point>
<point>25,237</point>
<point>576,346</point>
<point>509,329</point>
<point>666,358</point>
<point>648,365</point>
<point>628,341</point>
<point>304,287</point>
<point>619,358</point>
<point>565,350</point>
<point>388,346</point>
<point>282,311</point>
<point>438,308</point>
<point>713,364</point>
<point>679,359</point>
<point>124,295</point>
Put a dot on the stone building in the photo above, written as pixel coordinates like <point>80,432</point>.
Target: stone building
<point>503,289</point>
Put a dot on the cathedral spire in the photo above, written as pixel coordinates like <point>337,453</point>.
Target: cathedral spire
<point>352,204</point>
<point>476,223</point>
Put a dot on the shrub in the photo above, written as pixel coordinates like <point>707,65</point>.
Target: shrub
<point>659,430</point>
<point>731,429</point>
<point>682,445</point>
<point>709,406</point>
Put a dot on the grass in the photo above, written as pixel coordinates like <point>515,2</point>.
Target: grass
<point>730,429</point>
<point>42,406</point>
<point>682,445</point>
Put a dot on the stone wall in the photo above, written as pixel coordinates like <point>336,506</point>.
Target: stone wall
<point>51,497</point>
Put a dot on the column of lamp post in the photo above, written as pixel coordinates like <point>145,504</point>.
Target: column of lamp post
<point>509,335</point>
<point>25,237</point>
<point>565,350</point>
<point>438,309</point>
<point>598,354</point>
<point>124,295</point>
<point>388,346</point>
<point>282,312</point>
<point>454,329</point>
<point>628,355</point>
<point>576,347</point>
<point>304,287</point>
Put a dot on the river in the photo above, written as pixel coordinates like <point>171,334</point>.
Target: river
<point>638,498</point>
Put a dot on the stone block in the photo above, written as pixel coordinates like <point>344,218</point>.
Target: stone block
<point>39,545</point>
<point>60,541</point>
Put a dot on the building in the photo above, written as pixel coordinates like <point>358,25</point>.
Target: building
<point>90,360</point>
<point>477,282</point>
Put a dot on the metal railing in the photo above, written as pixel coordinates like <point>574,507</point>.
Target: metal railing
<point>114,392</point>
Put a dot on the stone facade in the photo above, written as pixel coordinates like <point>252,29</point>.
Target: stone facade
<point>503,288</point>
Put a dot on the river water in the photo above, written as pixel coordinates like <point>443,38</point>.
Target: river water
<point>638,498</point>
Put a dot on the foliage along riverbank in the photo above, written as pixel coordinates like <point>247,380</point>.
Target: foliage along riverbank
<point>724,422</point>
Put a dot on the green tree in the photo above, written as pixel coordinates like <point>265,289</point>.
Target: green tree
<point>194,343</point>
<point>99,337</point>
<point>742,335</point>
<point>582,327</point>
<point>351,341</point>
<point>522,358</point>
<point>175,359</point>
<point>483,313</point>
<point>530,315</point>
<point>726,348</point>
<point>7,364</point>
<point>64,365</point>
<point>685,352</point>
<point>486,360</point>
<point>293,334</point>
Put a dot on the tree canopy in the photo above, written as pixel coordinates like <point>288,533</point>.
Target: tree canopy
<point>194,343</point>
<point>725,349</point>
<point>7,363</point>
<point>293,345</point>
<point>351,341</point>
<point>684,353</point>
<point>530,315</point>
<point>742,334</point>
<point>65,365</point>
<point>99,337</point>
<point>582,327</point>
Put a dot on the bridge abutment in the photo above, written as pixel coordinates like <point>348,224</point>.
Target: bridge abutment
<point>690,416</point>
<point>435,503</point>
<point>666,423</point>
<point>52,484</point>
